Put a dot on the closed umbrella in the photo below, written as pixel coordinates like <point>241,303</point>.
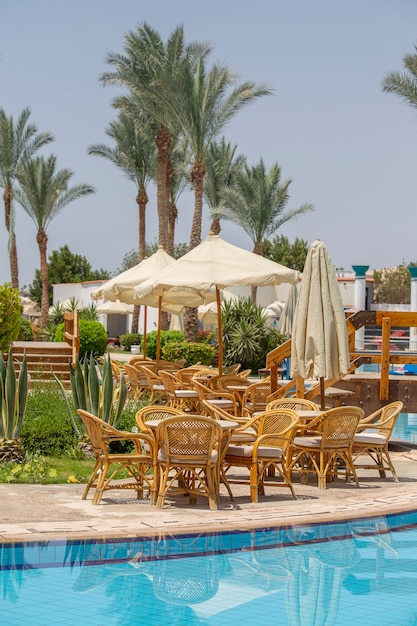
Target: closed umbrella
<point>319,345</point>
<point>213,265</point>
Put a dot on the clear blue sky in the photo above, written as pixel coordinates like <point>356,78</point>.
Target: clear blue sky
<point>349,149</point>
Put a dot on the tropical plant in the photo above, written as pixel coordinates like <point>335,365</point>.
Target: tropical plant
<point>13,396</point>
<point>18,142</point>
<point>392,285</point>
<point>166,335</point>
<point>93,389</point>
<point>64,267</point>
<point>26,332</point>
<point>10,315</point>
<point>43,194</point>
<point>404,84</point>
<point>247,337</point>
<point>257,201</point>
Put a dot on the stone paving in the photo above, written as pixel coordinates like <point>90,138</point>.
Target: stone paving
<point>41,512</point>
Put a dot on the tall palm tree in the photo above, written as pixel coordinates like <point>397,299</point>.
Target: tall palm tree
<point>43,193</point>
<point>404,84</point>
<point>201,103</point>
<point>145,63</point>
<point>135,154</point>
<point>18,142</point>
<point>257,202</point>
<point>221,166</point>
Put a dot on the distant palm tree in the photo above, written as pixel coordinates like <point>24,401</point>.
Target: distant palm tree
<point>221,166</point>
<point>404,84</point>
<point>257,202</point>
<point>43,193</point>
<point>135,154</point>
<point>18,142</point>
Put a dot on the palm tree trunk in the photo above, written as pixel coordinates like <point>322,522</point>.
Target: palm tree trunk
<point>163,143</point>
<point>257,249</point>
<point>142,201</point>
<point>197,178</point>
<point>14,268</point>
<point>42,240</point>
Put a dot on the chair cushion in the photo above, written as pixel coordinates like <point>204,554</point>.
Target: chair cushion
<point>185,393</point>
<point>162,457</point>
<point>223,404</point>
<point>365,437</point>
<point>246,451</point>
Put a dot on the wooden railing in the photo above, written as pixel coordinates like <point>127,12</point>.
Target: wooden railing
<point>354,322</point>
<point>72,333</point>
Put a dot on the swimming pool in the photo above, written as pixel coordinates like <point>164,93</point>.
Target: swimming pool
<point>354,572</point>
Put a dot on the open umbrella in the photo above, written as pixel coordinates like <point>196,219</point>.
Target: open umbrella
<point>121,287</point>
<point>207,313</point>
<point>109,308</point>
<point>287,316</point>
<point>319,344</point>
<point>213,265</point>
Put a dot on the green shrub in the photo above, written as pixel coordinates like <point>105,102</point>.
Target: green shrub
<point>10,312</point>
<point>93,337</point>
<point>166,336</point>
<point>47,428</point>
<point>191,352</point>
<point>247,336</point>
<point>130,339</point>
<point>26,331</point>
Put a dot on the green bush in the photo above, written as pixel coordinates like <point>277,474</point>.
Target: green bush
<point>47,428</point>
<point>129,339</point>
<point>247,336</point>
<point>166,336</point>
<point>191,352</point>
<point>93,337</point>
<point>10,312</point>
<point>26,331</point>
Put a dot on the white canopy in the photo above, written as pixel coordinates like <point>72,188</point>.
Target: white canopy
<point>115,307</point>
<point>214,264</point>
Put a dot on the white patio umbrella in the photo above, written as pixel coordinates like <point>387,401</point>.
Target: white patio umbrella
<point>213,265</point>
<point>286,318</point>
<point>109,308</point>
<point>207,313</point>
<point>121,287</point>
<point>319,346</point>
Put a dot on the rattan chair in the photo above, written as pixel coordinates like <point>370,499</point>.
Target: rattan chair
<point>372,439</point>
<point>255,398</point>
<point>179,396</point>
<point>298,404</point>
<point>154,412</point>
<point>189,449</point>
<point>328,447</point>
<point>141,465</point>
<point>266,458</point>
<point>155,385</point>
<point>223,399</point>
<point>137,382</point>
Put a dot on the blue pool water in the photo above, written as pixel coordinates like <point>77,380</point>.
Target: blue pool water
<point>348,573</point>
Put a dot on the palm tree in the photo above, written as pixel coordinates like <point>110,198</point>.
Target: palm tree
<point>404,84</point>
<point>135,154</point>
<point>147,60</point>
<point>257,202</point>
<point>221,166</point>
<point>43,193</point>
<point>201,103</point>
<point>18,142</point>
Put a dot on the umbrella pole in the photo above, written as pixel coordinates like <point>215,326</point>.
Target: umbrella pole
<point>158,336</point>
<point>322,397</point>
<point>145,324</point>
<point>219,331</point>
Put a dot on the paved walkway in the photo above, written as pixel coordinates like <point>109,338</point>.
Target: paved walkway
<point>41,512</point>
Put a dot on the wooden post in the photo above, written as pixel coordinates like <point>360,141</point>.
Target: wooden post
<point>385,351</point>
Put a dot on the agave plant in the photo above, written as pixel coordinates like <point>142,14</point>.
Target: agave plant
<point>13,396</point>
<point>94,390</point>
